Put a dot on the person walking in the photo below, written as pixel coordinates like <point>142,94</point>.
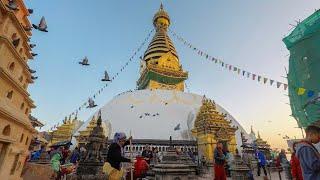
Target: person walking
<point>295,167</point>
<point>229,160</point>
<point>308,155</point>
<point>261,162</point>
<point>219,162</point>
<point>55,162</point>
<point>285,163</point>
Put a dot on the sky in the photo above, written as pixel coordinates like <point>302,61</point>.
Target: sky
<point>247,34</point>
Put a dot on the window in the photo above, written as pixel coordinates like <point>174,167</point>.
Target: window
<point>14,165</point>
<point>27,110</point>
<point>14,36</point>
<point>21,78</point>
<point>12,66</point>
<point>22,136</point>
<point>6,131</point>
<point>27,141</point>
<point>22,106</point>
<point>10,94</point>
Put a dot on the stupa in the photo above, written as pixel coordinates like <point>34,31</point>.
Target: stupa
<point>90,165</point>
<point>160,107</point>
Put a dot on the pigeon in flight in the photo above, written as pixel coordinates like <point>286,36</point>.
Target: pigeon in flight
<point>42,25</point>
<point>177,127</point>
<point>131,106</point>
<point>34,77</point>
<point>32,71</point>
<point>34,54</point>
<point>12,5</point>
<point>32,45</point>
<point>91,103</point>
<point>106,77</point>
<point>84,62</point>
<point>30,11</point>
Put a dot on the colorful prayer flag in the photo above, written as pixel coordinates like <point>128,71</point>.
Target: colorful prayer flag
<point>253,76</point>
<point>259,78</point>
<point>265,80</point>
<point>278,84</point>
<point>248,74</point>
<point>271,82</point>
<point>310,93</point>
<point>243,73</point>
<point>235,68</point>
<point>301,91</point>
<point>285,86</point>
<point>230,67</point>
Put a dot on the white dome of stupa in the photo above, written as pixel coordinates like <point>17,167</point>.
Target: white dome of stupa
<point>154,114</point>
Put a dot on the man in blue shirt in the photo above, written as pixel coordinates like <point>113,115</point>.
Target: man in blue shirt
<point>308,155</point>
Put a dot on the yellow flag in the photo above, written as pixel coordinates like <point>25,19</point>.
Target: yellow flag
<point>301,91</point>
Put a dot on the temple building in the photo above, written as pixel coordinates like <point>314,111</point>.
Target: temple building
<point>65,131</point>
<point>211,127</point>
<point>16,130</point>
<point>160,108</point>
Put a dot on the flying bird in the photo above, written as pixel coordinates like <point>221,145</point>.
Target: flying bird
<point>30,11</point>
<point>177,127</point>
<point>34,54</point>
<point>106,77</point>
<point>91,103</point>
<point>131,106</point>
<point>85,61</point>
<point>32,45</point>
<point>42,25</point>
<point>32,71</point>
<point>12,5</point>
<point>34,77</point>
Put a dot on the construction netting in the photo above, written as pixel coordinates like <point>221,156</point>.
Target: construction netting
<point>304,70</point>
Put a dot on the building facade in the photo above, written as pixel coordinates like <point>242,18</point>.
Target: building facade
<point>16,130</point>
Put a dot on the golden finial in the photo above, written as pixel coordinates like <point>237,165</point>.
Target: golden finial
<point>161,6</point>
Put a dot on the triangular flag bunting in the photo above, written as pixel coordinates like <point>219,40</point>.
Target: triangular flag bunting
<point>285,86</point>
<point>278,84</point>
<point>271,82</point>
<point>265,80</point>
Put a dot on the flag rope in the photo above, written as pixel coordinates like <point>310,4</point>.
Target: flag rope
<point>75,113</point>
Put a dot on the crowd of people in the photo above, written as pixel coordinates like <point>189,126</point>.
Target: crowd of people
<point>303,165</point>
<point>304,162</point>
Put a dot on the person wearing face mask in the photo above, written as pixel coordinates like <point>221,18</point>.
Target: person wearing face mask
<point>308,155</point>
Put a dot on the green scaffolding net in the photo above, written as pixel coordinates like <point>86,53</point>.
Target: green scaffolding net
<point>304,70</point>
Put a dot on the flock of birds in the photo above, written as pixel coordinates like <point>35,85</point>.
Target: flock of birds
<point>42,26</point>
<point>106,78</point>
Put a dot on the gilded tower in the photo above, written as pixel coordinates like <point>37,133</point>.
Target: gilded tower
<point>211,127</point>
<point>65,131</point>
<point>160,67</point>
<point>16,131</point>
